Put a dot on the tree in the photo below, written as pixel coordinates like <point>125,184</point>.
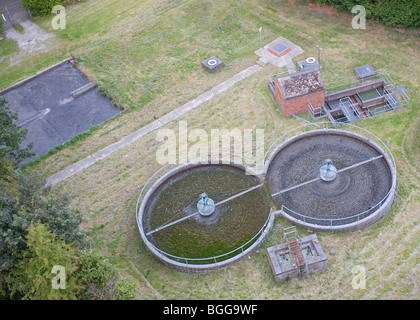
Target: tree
<point>125,290</point>
<point>11,136</point>
<point>25,200</point>
<point>98,275</point>
<point>44,7</point>
<point>32,279</point>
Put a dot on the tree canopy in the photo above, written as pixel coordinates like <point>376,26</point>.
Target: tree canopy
<point>25,200</point>
<point>11,136</point>
<point>32,278</point>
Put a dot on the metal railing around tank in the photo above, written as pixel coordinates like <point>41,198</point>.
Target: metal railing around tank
<point>336,221</point>
<point>354,129</point>
<point>184,160</point>
<point>198,261</point>
<point>224,256</point>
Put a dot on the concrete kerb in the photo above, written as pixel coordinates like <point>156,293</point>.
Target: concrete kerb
<point>36,75</point>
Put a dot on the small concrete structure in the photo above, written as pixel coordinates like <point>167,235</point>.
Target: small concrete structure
<point>350,99</point>
<point>308,64</point>
<point>283,264</point>
<point>365,71</point>
<point>212,64</point>
<point>83,89</point>
<point>279,49</point>
<point>267,55</point>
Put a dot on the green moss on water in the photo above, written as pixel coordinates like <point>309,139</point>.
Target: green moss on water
<point>190,245</point>
<point>234,223</point>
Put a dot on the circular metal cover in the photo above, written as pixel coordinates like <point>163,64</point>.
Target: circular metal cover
<point>212,62</point>
<point>310,60</point>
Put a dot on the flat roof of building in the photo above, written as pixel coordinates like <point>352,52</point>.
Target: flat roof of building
<point>300,83</point>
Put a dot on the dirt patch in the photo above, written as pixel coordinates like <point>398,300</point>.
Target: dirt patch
<point>322,8</point>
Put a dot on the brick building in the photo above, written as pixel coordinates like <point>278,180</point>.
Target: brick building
<point>293,91</point>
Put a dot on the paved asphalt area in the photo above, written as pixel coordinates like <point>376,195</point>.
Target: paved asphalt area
<point>47,109</point>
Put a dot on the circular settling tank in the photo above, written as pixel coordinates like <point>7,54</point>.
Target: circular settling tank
<point>198,212</point>
<point>331,180</point>
<point>200,217</point>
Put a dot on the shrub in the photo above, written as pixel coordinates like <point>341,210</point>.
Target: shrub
<point>40,7</point>
<point>399,13</point>
<point>125,290</point>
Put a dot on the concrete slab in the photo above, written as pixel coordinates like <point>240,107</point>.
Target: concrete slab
<point>283,61</point>
<point>52,116</point>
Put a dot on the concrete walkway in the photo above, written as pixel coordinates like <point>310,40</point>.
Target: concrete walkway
<point>105,152</point>
<point>286,60</point>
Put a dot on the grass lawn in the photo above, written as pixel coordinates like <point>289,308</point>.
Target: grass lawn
<point>7,47</point>
<point>145,55</point>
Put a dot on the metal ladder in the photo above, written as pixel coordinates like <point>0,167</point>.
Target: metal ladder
<point>291,237</point>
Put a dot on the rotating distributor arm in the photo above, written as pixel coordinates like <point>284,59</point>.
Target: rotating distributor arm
<point>326,171</point>
<point>205,204</point>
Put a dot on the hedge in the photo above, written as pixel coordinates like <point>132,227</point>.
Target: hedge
<point>398,13</point>
<point>44,7</point>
